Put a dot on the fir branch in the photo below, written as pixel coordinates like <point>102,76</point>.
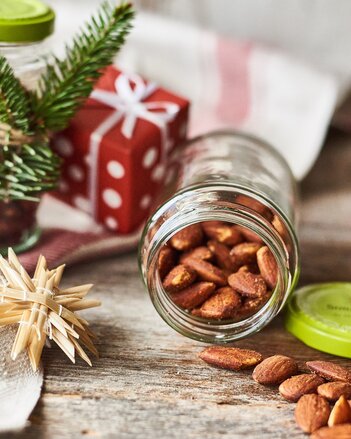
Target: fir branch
<point>67,83</point>
<point>15,106</point>
<point>27,171</point>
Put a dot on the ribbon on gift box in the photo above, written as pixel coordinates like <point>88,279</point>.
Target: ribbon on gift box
<point>129,106</point>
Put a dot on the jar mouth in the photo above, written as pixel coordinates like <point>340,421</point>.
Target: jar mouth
<point>202,205</point>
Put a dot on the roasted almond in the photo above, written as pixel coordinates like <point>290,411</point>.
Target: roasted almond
<point>293,388</point>
<point>194,295</point>
<point>222,232</point>
<point>333,390</point>
<point>275,369</point>
<point>244,253</point>
<point>230,358</point>
<point>341,412</point>
<point>166,261</point>
<point>178,278</point>
<point>202,252</point>
<point>221,254</point>
<point>338,432</point>
<point>248,284</point>
<point>330,371</point>
<point>222,305</point>
<point>312,412</point>
<point>207,271</point>
<point>255,205</point>
<point>187,238</point>
<point>268,266</point>
<point>250,305</point>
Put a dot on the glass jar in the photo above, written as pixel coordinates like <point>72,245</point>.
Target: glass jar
<point>238,179</point>
<point>24,27</point>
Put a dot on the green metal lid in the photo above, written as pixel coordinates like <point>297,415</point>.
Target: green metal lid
<point>320,316</point>
<point>25,21</point>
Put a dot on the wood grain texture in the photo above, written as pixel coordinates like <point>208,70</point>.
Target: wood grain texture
<point>149,382</point>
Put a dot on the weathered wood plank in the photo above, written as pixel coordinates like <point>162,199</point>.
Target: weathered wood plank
<point>149,382</point>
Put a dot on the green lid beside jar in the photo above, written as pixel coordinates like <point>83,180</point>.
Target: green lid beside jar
<point>25,21</point>
<point>320,316</point>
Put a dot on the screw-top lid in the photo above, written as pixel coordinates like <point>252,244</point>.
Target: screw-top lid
<point>320,316</point>
<point>25,21</point>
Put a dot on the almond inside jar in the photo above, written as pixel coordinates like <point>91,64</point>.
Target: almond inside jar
<point>218,271</point>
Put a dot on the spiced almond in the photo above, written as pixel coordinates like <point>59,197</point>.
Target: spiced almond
<point>230,358</point>
<point>248,284</point>
<point>221,254</point>
<point>178,278</point>
<point>222,305</point>
<point>330,371</point>
<point>193,296</point>
<point>268,266</point>
<point>202,252</point>
<point>222,232</point>
<point>187,238</point>
<point>244,253</point>
<point>166,261</point>
<point>207,271</point>
<point>337,432</point>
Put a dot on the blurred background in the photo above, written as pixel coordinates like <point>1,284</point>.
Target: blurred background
<point>317,31</point>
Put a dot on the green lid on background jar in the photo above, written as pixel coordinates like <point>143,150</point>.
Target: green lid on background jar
<point>320,316</point>
<point>25,21</point>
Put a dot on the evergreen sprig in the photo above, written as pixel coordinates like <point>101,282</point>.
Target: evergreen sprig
<point>67,83</point>
<point>15,104</point>
<point>32,167</point>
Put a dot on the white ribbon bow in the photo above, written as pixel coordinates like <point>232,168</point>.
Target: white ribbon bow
<point>128,104</point>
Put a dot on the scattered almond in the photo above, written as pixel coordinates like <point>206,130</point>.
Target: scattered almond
<point>222,305</point>
<point>330,371</point>
<point>337,432</point>
<point>268,266</point>
<point>230,358</point>
<point>178,278</point>
<point>275,369</point>
<point>333,390</point>
<point>341,412</point>
<point>248,284</point>
<point>293,388</point>
<point>187,238</point>
<point>194,295</point>
<point>312,412</point>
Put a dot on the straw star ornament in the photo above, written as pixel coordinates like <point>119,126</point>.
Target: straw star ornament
<point>43,310</point>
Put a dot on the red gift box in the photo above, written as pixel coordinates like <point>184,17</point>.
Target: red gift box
<point>116,148</point>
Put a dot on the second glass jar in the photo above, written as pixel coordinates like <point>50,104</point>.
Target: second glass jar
<point>242,195</point>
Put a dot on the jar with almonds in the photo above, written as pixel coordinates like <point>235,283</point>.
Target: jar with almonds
<point>219,255</point>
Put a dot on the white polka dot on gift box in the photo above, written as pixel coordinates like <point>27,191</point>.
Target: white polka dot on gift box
<point>115,169</point>
<point>150,157</point>
<point>63,146</point>
<point>76,173</point>
<point>158,173</point>
<point>112,198</point>
<point>111,223</point>
<point>145,202</point>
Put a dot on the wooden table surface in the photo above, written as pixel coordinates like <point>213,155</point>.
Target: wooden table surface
<point>149,382</point>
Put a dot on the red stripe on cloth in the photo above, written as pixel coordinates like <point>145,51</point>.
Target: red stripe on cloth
<point>58,244</point>
<point>234,69</point>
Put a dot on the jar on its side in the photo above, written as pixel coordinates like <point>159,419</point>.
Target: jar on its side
<point>236,179</point>
<point>24,28</point>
